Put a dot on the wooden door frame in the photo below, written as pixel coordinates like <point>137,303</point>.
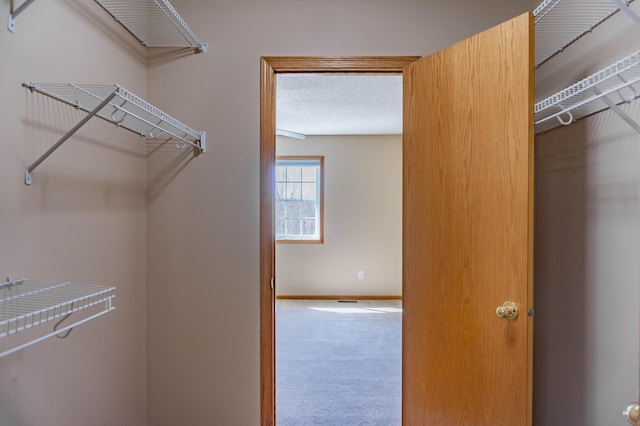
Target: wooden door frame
<point>269,67</point>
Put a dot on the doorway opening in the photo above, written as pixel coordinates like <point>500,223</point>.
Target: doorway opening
<point>271,67</point>
<point>338,287</point>
<point>467,148</point>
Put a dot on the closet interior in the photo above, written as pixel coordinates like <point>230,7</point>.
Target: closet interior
<point>587,62</point>
<point>26,304</point>
<point>560,24</point>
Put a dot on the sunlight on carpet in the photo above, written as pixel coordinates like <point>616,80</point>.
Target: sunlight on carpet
<point>339,310</point>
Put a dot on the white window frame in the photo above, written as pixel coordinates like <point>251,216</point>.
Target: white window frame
<point>297,160</point>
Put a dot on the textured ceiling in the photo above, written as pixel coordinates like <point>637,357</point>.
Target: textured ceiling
<point>330,104</point>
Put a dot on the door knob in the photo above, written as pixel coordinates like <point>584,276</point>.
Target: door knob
<point>508,310</point>
<point>632,413</point>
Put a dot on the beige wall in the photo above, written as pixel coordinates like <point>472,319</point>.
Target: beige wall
<point>83,219</point>
<point>362,218</point>
<point>587,293</point>
<point>204,225</point>
<point>587,248</point>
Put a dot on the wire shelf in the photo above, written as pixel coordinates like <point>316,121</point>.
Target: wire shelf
<point>25,304</point>
<point>154,23</point>
<point>126,109</point>
<point>558,23</point>
<point>613,85</point>
<point>118,106</point>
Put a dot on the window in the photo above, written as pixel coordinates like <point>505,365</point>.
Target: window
<point>299,199</point>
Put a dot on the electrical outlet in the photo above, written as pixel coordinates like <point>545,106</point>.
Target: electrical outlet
<point>361,275</point>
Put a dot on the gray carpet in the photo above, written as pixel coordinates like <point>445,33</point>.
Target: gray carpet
<point>338,363</point>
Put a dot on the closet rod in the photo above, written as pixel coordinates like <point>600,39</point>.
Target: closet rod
<point>11,25</point>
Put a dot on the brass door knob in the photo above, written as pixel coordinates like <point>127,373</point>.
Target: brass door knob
<point>632,413</point>
<point>508,310</point>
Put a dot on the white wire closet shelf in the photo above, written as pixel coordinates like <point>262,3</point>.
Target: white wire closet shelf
<point>558,23</point>
<point>608,88</point>
<point>154,23</point>
<point>27,304</point>
<point>119,106</point>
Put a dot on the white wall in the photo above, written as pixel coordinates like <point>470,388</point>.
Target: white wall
<point>83,219</point>
<point>362,220</point>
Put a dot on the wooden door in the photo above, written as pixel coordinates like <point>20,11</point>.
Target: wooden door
<point>467,230</point>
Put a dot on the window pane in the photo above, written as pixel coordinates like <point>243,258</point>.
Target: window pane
<point>280,227</point>
<point>281,174</point>
<point>281,191</point>
<point>293,226</point>
<point>293,191</point>
<point>280,209</point>
<point>308,191</point>
<point>309,227</point>
<point>309,173</point>
<point>293,209</point>
<point>309,209</point>
<point>293,173</point>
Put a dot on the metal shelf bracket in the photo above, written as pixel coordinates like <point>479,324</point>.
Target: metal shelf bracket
<point>31,168</point>
<point>615,108</point>
<point>11,24</point>
<point>624,6</point>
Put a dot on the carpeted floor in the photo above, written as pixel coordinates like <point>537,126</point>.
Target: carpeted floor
<point>338,364</point>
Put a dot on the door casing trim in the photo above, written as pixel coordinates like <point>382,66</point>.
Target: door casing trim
<point>269,67</point>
